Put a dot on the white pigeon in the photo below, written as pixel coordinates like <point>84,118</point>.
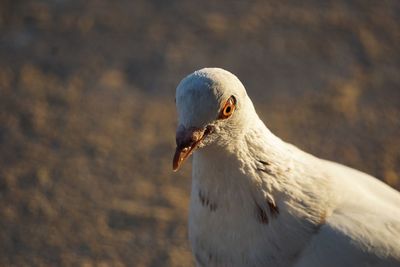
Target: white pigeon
<point>258,201</point>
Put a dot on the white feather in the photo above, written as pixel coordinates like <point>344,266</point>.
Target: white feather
<point>329,214</point>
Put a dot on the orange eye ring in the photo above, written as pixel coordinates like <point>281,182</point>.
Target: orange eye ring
<point>228,108</point>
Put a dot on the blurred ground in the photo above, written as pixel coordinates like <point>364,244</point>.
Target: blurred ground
<point>87,116</point>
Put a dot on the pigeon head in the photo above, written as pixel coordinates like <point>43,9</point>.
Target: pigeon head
<point>213,107</point>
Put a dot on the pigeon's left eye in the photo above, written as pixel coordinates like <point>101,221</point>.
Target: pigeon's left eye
<point>228,108</point>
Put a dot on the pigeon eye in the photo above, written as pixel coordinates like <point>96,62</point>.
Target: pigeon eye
<point>228,108</point>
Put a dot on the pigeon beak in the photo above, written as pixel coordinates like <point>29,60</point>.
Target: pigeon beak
<point>187,140</point>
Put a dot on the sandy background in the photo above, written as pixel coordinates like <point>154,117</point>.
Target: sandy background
<point>87,117</point>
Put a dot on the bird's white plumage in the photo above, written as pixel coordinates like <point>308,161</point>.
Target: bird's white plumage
<point>258,201</point>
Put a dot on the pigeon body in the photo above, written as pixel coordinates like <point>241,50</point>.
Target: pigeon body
<point>258,201</point>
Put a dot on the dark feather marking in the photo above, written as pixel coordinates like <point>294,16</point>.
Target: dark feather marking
<point>206,202</point>
<point>268,171</point>
<point>261,214</point>
<point>266,168</point>
<point>273,208</point>
<point>263,162</point>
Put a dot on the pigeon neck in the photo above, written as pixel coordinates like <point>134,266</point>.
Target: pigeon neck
<point>243,154</point>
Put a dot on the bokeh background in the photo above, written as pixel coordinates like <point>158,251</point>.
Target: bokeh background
<point>87,116</point>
